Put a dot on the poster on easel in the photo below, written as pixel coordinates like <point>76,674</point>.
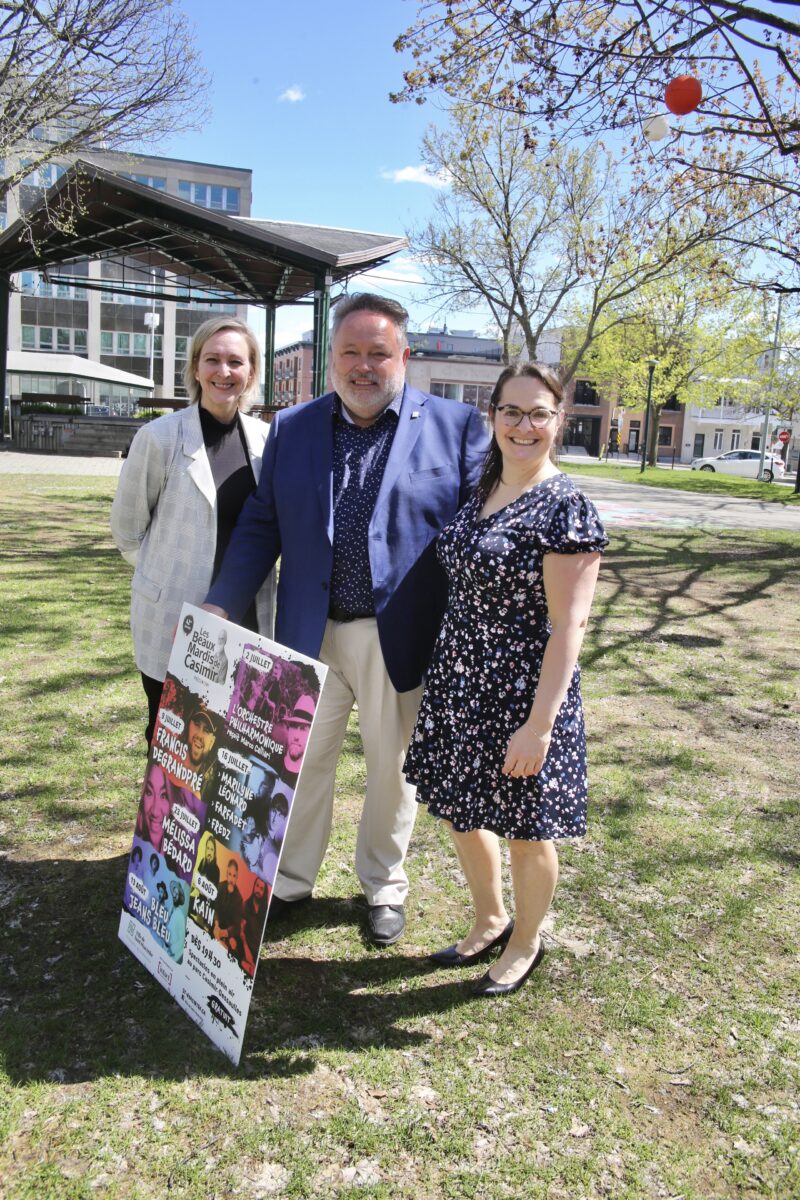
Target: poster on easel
<point>225,764</point>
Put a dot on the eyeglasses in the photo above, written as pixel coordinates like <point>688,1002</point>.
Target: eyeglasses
<point>512,416</point>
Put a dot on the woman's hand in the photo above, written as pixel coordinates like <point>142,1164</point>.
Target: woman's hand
<point>526,752</point>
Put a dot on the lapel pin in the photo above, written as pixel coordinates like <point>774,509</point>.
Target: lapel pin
<point>414,414</point>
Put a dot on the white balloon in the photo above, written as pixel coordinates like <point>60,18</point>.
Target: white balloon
<point>655,128</point>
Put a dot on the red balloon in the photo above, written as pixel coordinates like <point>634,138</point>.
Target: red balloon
<point>683,95</point>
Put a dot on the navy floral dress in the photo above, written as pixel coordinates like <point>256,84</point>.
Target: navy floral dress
<point>485,669</point>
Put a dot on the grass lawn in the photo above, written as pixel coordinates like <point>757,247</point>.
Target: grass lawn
<point>653,1055</point>
<point>706,482</point>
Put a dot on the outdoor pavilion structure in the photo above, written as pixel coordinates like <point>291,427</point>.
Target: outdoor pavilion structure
<point>94,213</point>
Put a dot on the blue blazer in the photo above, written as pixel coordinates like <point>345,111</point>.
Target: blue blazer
<point>433,466</point>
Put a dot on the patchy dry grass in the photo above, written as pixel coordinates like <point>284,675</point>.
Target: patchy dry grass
<point>654,1054</point>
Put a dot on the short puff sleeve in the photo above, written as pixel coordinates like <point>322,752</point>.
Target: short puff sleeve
<point>573,526</point>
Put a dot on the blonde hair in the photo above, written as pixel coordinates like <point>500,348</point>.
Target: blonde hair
<point>207,330</point>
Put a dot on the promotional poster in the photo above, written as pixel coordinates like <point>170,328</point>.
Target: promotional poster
<point>236,715</point>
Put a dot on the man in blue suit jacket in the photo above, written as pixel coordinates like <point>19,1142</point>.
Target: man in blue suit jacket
<point>354,488</point>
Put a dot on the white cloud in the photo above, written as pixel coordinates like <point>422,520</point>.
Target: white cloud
<point>402,271</point>
<point>293,94</point>
<point>419,174</point>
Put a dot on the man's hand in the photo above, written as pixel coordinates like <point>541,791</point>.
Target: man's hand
<point>215,611</point>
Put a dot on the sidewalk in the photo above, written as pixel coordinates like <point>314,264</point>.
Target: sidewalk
<point>620,504</point>
<point>634,462</point>
<point>14,463</point>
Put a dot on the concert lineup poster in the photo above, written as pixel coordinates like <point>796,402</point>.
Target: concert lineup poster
<point>236,715</point>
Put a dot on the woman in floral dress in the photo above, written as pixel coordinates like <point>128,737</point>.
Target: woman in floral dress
<point>499,747</point>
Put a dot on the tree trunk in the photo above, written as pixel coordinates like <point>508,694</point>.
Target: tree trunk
<point>652,449</point>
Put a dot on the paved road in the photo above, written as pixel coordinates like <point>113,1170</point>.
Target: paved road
<point>632,505</point>
<point>621,504</point>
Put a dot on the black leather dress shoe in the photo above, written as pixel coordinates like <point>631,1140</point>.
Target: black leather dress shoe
<point>453,958</point>
<point>285,908</point>
<point>486,986</point>
<point>385,923</point>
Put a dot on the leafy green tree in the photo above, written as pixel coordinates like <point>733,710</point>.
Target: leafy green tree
<point>704,342</point>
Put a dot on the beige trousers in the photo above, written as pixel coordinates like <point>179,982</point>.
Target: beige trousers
<point>356,674</point>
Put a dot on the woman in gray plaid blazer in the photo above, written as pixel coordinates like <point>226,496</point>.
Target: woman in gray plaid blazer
<point>182,487</point>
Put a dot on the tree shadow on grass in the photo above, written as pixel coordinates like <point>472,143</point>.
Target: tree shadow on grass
<point>77,1006</point>
<point>719,574</point>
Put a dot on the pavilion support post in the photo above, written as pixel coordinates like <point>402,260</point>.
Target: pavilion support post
<point>5,289</point>
<point>322,308</point>
<point>269,358</point>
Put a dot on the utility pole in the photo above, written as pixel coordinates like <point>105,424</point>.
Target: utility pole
<point>651,366</point>
<point>770,387</point>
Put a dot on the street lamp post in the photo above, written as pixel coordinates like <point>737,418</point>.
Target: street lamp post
<point>152,320</point>
<point>651,366</point>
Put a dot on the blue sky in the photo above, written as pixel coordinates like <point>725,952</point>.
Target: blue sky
<point>300,95</point>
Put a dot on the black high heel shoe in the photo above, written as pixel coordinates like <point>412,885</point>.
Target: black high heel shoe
<point>452,958</point>
<point>486,986</point>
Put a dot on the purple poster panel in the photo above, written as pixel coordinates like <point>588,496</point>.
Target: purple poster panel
<point>237,712</point>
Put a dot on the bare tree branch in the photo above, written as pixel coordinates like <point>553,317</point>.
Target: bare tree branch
<point>82,73</point>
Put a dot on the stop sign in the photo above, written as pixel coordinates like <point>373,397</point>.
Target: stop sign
<point>784,436</point>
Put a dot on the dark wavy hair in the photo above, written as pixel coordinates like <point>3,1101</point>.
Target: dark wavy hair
<point>493,463</point>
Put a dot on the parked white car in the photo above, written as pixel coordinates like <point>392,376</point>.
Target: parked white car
<point>741,462</point>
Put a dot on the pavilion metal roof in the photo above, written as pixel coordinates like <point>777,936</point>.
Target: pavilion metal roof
<point>43,362</point>
<point>92,212</point>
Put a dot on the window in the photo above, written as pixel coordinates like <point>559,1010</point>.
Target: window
<point>735,439</point>
<point>153,181</point>
<point>123,343</point>
<point>718,436</point>
<point>585,393</point>
<point>64,340</point>
<point>79,340</point>
<point>158,345</point>
<point>665,435</point>
<point>43,288</point>
<point>755,441</point>
<point>45,339</point>
<point>210,195</point>
<point>180,347</point>
<point>478,395</point>
<point>28,337</point>
<point>448,390</point>
<point>106,342</point>
<point>140,345</point>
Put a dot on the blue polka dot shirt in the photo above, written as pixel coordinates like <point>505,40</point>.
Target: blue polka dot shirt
<point>359,460</point>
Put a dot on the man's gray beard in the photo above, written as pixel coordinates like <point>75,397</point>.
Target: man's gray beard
<point>391,390</point>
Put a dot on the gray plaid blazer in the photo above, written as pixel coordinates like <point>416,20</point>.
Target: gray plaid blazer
<point>164,522</point>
